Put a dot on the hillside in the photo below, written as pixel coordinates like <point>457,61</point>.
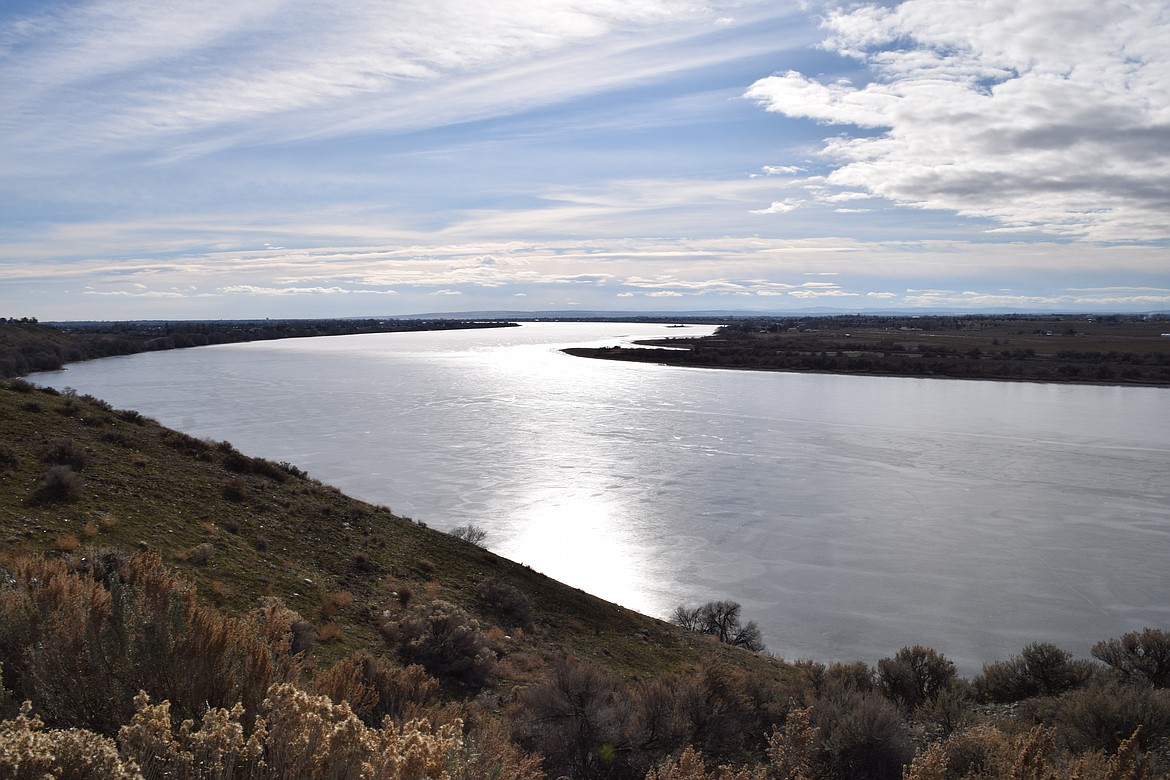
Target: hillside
<point>328,638</point>
<point>242,528</point>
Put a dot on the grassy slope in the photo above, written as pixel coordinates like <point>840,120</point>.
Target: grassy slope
<point>148,487</point>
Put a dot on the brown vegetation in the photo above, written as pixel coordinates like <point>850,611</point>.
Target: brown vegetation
<point>1113,349</point>
<point>490,671</point>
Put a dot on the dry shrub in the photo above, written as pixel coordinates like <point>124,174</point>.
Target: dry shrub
<point>950,710</point>
<point>132,416</point>
<point>792,750</point>
<point>978,751</point>
<point>914,675</point>
<point>220,591</point>
<point>81,645</point>
<point>856,676</point>
<point>730,712</point>
<point>330,632</point>
<point>930,764</point>
<point>311,738</point>
<point>376,688</point>
<point>1041,669</point>
<point>984,752</point>
<point>90,530</point>
<point>297,735</point>
<point>1102,716</point>
<point>62,451</point>
<point>490,754</point>
<point>235,490</point>
<point>689,765</point>
<point>448,642</point>
<point>576,718</point>
<point>68,543</point>
<point>61,483</point>
<point>335,602</point>
<point>200,554</point>
<point>1143,655</point>
<point>361,561</point>
<point>216,749</point>
<point>508,604</point>
<point>30,752</point>
<point>863,736</point>
<point>234,460</point>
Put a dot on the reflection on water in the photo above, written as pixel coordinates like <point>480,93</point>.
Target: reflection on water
<point>850,515</point>
<point>576,534</point>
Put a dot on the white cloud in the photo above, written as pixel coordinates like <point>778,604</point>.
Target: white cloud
<point>248,289</point>
<point>1037,116</point>
<point>781,170</point>
<point>779,207</point>
<point>138,292</point>
<point>823,294</point>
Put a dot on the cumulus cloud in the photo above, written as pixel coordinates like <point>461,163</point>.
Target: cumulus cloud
<point>779,207</point>
<point>1037,116</point>
<point>781,170</point>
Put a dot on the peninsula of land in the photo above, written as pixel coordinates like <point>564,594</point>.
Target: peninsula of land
<point>1107,349</point>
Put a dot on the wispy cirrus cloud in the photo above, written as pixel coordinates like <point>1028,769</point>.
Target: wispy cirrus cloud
<point>288,158</point>
<point>212,75</point>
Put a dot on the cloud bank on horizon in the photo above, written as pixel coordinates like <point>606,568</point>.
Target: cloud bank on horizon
<point>260,158</point>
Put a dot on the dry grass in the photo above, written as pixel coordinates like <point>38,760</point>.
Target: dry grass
<point>68,543</point>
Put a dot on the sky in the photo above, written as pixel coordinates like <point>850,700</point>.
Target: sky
<point>290,158</point>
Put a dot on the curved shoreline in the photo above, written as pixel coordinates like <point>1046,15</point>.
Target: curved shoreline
<point>1125,352</point>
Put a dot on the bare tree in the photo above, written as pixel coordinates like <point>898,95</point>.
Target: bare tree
<point>721,619</point>
<point>470,533</point>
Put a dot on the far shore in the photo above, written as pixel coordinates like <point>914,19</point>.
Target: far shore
<point>1121,350</point>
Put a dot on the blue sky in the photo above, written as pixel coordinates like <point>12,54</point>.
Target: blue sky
<point>287,158</point>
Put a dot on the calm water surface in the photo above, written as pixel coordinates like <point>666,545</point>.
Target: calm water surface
<point>849,515</point>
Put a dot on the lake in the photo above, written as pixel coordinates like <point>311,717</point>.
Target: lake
<point>849,515</point>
